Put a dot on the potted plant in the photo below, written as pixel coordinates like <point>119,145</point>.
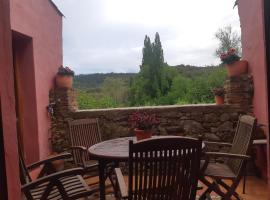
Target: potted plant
<point>234,65</point>
<point>219,95</point>
<point>59,165</point>
<point>64,77</point>
<point>143,124</point>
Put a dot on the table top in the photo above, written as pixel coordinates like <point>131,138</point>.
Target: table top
<point>113,150</point>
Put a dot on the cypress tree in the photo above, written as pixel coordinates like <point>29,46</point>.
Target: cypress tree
<point>147,52</point>
<point>158,52</point>
<point>158,63</point>
<point>151,73</point>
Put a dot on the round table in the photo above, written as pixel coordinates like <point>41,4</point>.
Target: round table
<point>111,151</point>
<point>115,150</point>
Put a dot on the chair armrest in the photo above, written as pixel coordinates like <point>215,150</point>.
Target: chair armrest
<point>80,148</point>
<point>226,155</point>
<point>121,183</point>
<point>260,142</point>
<point>62,156</point>
<point>217,143</point>
<point>54,176</point>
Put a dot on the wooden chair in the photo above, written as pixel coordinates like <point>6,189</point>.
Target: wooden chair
<point>51,185</point>
<point>83,133</point>
<point>161,168</point>
<point>234,165</point>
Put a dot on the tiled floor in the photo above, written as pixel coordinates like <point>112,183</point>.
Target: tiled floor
<point>256,189</point>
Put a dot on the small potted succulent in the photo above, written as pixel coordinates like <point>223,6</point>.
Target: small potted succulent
<point>143,124</point>
<point>234,65</point>
<point>64,77</point>
<point>219,95</point>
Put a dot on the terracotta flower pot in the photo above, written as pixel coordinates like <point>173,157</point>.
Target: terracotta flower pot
<point>142,134</point>
<point>59,165</point>
<point>237,68</point>
<point>219,100</point>
<point>64,81</point>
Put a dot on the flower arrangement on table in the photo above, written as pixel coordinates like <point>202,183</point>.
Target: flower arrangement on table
<point>235,66</point>
<point>143,124</point>
<point>219,95</point>
<point>64,77</point>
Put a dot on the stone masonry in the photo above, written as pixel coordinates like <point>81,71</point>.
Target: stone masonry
<point>212,122</point>
<point>64,104</point>
<point>239,91</point>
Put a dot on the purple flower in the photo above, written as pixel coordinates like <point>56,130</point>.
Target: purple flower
<point>143,120</point>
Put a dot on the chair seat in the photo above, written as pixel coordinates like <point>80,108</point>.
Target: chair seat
<point>218,170</point>
<point>90,163</point>
<point>74,187</point>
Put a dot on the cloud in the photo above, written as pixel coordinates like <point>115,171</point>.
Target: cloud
<point>107,36</point>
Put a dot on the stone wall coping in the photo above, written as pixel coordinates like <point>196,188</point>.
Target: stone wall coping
<point>157,107</point>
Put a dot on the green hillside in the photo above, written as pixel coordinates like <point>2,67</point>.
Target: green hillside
<point>185,85</point>
<point>91,81</point>
<point>94,81</point>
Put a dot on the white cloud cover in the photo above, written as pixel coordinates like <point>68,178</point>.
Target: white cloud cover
<point>107,35</point>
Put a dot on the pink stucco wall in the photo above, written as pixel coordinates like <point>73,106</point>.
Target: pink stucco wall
<point>8,104</point>
<point>39,20</point>
<point>253,43</point>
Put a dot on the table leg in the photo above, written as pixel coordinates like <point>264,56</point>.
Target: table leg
<point>102,179</point>
<point>244,180</point>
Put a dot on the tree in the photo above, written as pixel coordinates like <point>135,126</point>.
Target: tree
<point>228,39</point>
<point>119,95</point>
<point>152,80</point>
<point>158,65</point>
<point>147,52</point>
<point>158,57</point>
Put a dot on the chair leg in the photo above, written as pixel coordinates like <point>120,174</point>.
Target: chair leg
<point>206,194</point>
<point>244,183</point>
<point>110,175</point>
<point>224,185</point>
<point>232,189</point>
<point>208,191</point>
<point>215,188</point>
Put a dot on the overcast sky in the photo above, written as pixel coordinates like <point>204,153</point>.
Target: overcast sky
<point>107,35</point>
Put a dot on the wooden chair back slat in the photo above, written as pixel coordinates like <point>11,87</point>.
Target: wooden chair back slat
<point>242,141</point>
<point>164,168</point>
<point>83,132</point>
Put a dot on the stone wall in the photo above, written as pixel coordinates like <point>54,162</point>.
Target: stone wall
<point>213,122</point>
<point>239,91</point>
<point>64,104</point>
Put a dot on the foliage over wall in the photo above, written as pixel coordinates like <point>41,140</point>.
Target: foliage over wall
<point>188,86</point>
<point>157,83</point>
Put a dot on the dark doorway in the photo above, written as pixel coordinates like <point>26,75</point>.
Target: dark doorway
<point>24,83</point>
<point>3,179</point>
